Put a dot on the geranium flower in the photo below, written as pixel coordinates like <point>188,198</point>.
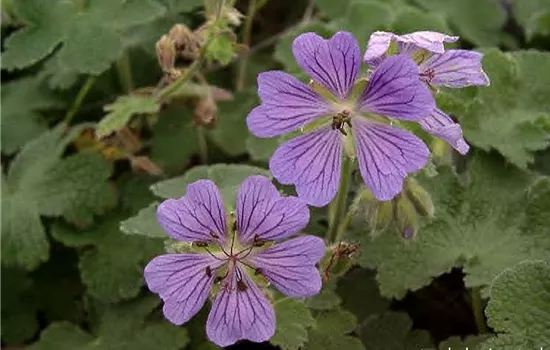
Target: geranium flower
<point>451,68</point>
<point>344,113</point>
<point>235,256</point>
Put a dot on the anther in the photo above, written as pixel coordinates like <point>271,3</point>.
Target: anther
<point>208,271</point>
<point>201,244</point>
<point>241,286</point>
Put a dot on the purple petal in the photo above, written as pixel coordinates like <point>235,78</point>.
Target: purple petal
<point>240,314</point>
<point>378,45</point>
<point>333,62</point>
<point>182,282</point>
<point>199,216</point>
<point>441,125</point>
<point>287,105</point>
<point>290,265</point>
<point>456,69</point>
<point>263,213</point>
<point>395,90</point>
<point>386,155</point>
<point>427,40</point>
<point>312,163</point>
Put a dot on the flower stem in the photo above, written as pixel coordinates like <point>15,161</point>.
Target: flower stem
<point>165,93</point>
<point>124,72</point>
<point>338,205</point>
<point>352,210</point>
<point>247,31</point>
<point>477,308</point>
<point>203,145</point>
<point>79,99</point>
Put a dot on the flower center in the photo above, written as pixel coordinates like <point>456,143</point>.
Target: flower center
<point>230,255</point>
<point>339,121</point>
<point>427,75</point>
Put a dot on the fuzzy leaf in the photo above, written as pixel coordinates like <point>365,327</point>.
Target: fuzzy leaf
<point>364,17</point>
<point>21,102</point>
<point>293,322</point>
<point>510,114</point>
<point>145,223</point>
<point>124,326</point>
<point>327,299</point>
<point>228,177</point>
<point>122,110</point>
<point>113,270</point>
<point>356,287</point>
<point>412,19</point>
<point>19,319</point>
<point>519,308</point>
<point>392,331</point>
<point>533,16</point>
<point>261,149</point>
<point>331,330</point>
<point>231,131</point>
<point>91,35</point>
<point>40,183</point>
<point>477,21</point>
<point>174,140</point>
<point>484,226</point>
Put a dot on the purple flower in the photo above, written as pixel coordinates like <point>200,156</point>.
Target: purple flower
<point>343,113</point>
<point>451,68</point>
<point>236,255</point>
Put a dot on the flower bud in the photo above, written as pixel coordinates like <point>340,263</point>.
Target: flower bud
<point>406,216</point>
<point>166,53</point>
<point>338,259</point>
<point>206,112</point>
<point>186,42</point>
<point>419,197</point>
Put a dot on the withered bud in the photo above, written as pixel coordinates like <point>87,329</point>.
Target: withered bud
<point>233,16</point>
<point>186,42</point>
<point>206,112</point>
<point>166,53</point>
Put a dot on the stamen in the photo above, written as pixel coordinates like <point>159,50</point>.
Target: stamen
<point>212,254</point>
<point>208,271</point>
<point>241,286</point>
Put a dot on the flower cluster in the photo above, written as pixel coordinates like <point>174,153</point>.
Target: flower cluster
<point>340,112</point>
<point>233,256</point>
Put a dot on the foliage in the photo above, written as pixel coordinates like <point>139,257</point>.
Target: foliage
<point>100,124</point>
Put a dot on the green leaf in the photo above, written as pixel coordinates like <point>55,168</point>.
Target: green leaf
<point>331,330</point>
<point>327,299</point>
<point>22,100</point>
<point>342,9</point>
<point>392,331</point>
<point>228,177</point>
<point>470,342</point>
<point>293,322</point>
<point>19,319</point>
<point>231,131</point>
<point>356,287</point>
<point>221,49</point>
<point>412,19</point>
<point>126,326</point>
<point>40,183</point>
<point>483,226</point>
<point>113,269</point>
<point>364,17</point>
<point>91,35</point>
<point>519,308</point>
<point>261,149</point>
<point>509,115</point>
<point>478,21</point>
<point>122,110</point>
<point>145,223</point>
<point>174,140</point>
<point>533,16</point>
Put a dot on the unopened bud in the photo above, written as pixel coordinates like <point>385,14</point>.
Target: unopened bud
<point>378,215</point>
<point>206,112</point>
<point>419,197</point>
<point>166,53</point>
<point>233,16</point>
<point>407,217</point>
<point>186,42</point>
<point>338,259</point>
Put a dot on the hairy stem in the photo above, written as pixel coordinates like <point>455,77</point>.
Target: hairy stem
<point>124,72</point>
<point>203,145</point>
<point>352,210</point>
<point>165,93</point>
<point>477,308</point>
<point>338,205</point>
<point>247,31</point>
<point>75,106</point>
